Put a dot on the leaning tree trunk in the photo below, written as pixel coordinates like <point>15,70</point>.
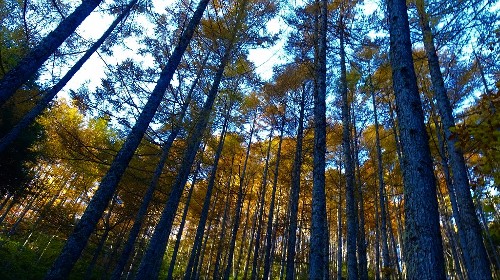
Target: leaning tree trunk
<point>318,261</point>
<point>82,231</point>
<point>183,222</point>
<point>476,259</point>
<point>352,225</point>
<point>29,117</point>
<point>294,194</point>
<point>151,261</point>
<point>206,203</point>
<point>423,244</point>
<point>270,217</point>
<point>30,64</point>
<point>148,196</point>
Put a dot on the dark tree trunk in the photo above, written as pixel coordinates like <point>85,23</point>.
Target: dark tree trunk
<point>351,205</point>
<point>270,217</point>
<point>318,261</point>
<point>386,263</point>
<point>50,94</point>
<point>423,244</point>
<point>82,231</point>
<point>239,204</point>
<point>183,222</point>
<point>29,65</point>
<point>255,266</point>
<point>148,196</point>
<point>294,193</point>
<point>476,259</point>
<point>206,203</point>
<point>363,262</point>
<point>222,235</point>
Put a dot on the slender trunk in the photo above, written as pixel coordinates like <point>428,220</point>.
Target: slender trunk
<point>318,261</point>
<point>29,117</point>
<point>270,217</point>
<point>148,196</point>
<point>97,252</point>
<point>181,226</point>
<point>377,238</point>
<point>206,203</point>
<point>222,236</point>
<point>363,262</point>
<point>352,263</point>
<point>423,244</point>
<point>339,229</point>
<point>495,259</point>
<point>9,207</point>
<point>242,244</point>
<point>82,231</point>
<point>476,260</point>
<point>151,262</point>
<point>239,204</point>
<point>294,193</point>
<point>386,263</point>
<point>252,238</point>
<point>255,267</point>
<point>29,65</point>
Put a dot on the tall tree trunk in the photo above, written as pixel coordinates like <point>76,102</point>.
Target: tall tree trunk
<point>181,226</point>
<point>318,261</point>
<point>352,225</point>
<point>377,238</point>
<point>363,262</point>
<point>148,196</point>
<point>151,262</point>
<point>294,193</point>
<point>222,236</point>
<point>82,231</point>
<point>29,117</point>
<point>29,65</point>
<point>242,244</point>
<point>386,263</point>
<point>476,259</point>
<point>270,217</point>
<point>206,203</point>
<point>239,204</point>
<point>263,188</point>
<point>423,244</point>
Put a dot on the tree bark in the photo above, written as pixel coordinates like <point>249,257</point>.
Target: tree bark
<point>318,261</point>
<point>270,217</point>
<point>351,205</point>
<point>423,244</point>
<point>206,203</point>
<point>294,193</point>
<point>476,259</point>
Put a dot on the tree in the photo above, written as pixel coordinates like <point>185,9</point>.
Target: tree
<point>78,239</point>
<point>30,64</point>
<point>423,252</point>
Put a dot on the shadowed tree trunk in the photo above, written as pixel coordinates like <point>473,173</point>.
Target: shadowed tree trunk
<point>148,196</point>
<point>386,263</point>
<point>423,244</point>
<point>270,217</point>
<point>82,231</point>
<point>294,193</point>
<point>206,203</point>
<point>30,64</point>
<point>351,205</point>
<point>255,266</point>
<point>51,93</point>
<point>318,261</point>
<point>476,259</point>
<point>183,222</point>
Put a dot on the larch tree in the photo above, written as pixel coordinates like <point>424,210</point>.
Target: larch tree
<point>423,246</point>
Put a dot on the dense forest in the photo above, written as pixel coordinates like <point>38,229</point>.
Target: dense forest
<point>144,140</point>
